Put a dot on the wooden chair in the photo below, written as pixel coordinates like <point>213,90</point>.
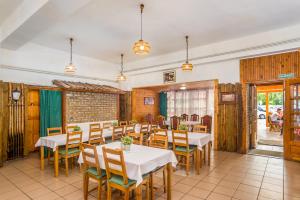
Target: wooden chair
<point>72,148</point>
<point>152,127</point>
<point>145,128</point>
<point>51,132</point>
<point>159,139</point>
<point>92,169</point>
<point>129,129</point>
<point>206,120</point>
<point>273,127</point>
<point>149,118</point>
<point>161,122</point>
<point>137,137</point>
<point>95,136</point>
<point>118,132</point>
<point>132,122</point>
<point>182,148</point>
<point>174,122</point>
<point>95,126</point>
<point>123,123</point>
<point>184,117</point>
<point>117,175</point>
<point>195,117</point>
<point>107,125</point>
<point>198,128</point>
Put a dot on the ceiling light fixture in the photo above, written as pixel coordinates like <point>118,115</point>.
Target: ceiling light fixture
<point>141,47</point>
<point>70,68</point>
<point>121,77</point>
<point>183,88</point>
<point>187,66</point>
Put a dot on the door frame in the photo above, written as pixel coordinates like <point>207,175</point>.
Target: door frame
<point>245,134</point>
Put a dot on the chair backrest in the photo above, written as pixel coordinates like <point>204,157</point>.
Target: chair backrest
<point>161,120</point>
<point>174,120</point>
<point>123,123</point>
<point>149,118</point>
<point>144,128</point>
<point>95,126</point>
<point>118,132</point>
<point>74,139</point>
<point>160,132</point>
<point>107,125</point>
<point>70,128</point>
<point>206,120</point>
<point>184,117</point>
<point>159,139</point>
<point>54,131</point>
<point>200,128</point>
<point>152,127</point>
<point>136,137</point>
<point>114,163</point>
<point>180,138</point>
<point>90,157</point>
<point>129,128</point>
<point>95,136</point>
<point>132,122</point>
<point>195,117</point>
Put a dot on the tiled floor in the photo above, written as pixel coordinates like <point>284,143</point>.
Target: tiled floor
<point>230,176</point>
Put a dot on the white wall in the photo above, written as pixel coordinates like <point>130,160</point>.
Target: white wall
<point>38,65</point>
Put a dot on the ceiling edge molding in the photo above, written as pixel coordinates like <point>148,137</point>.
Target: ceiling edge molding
<point>225,53</point>
<point>54,73</point>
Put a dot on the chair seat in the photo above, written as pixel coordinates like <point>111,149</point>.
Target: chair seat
<point>70,151</point>
<point>93,171</point>
<point>184,149</point>
<point>119,180</point>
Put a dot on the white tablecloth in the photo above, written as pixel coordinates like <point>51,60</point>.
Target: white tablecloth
<point>139,160</point>
<point>189,123</point>
<point>199,139</point>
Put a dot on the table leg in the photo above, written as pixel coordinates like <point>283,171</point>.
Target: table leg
<point>200,158</point>
<point>199,153</point>
<point>139,192</point>
<point>169,186</point>
<point>56,162</point>
<point>42,157</point>
<point>151,187</point>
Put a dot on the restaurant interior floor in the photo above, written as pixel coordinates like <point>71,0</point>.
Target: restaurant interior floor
<point>230,176</point>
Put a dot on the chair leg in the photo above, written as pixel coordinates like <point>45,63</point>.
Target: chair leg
<point>164,177</point>
<point>151,186</point>
<point>72,162</point>
<point>126,195</point>
<point>108,192</point>
<point>67,166</point>
<point>187,164</point>
<point>85,186</point>
<point>204,153</point>
<point>148,190</point>
<point>99,189</point>
<point>48,154</point>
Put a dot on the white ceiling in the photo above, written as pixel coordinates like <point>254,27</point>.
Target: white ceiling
<point>104,29</point>
<point>6,7</point>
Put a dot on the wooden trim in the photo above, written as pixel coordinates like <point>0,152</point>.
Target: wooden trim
<point>118,107</point>
<point>64,109</point>
<point>216,113</point>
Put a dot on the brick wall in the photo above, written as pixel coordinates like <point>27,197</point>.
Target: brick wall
<point>90,107</point>
<point>139,110</point>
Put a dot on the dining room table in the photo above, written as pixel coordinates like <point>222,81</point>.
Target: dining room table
<point>141,160</point>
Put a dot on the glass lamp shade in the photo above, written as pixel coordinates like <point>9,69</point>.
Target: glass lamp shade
<point>121,77</point>
<point>141,47</point>
<point>16,95</point>
<point>70,69</point>
<point>187,66</point>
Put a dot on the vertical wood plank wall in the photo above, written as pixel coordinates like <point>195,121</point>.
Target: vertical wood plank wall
<point>125,106</point>
<point>139,110</point>
<point>264,69</point>
<point>229,120</point>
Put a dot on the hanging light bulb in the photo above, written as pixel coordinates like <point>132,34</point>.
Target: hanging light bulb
<point>187,66</point>
<point>121,77</point>
<point>141,47</point>
<point>70,68</point>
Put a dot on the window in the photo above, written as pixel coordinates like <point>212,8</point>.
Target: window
<point>190,102</point>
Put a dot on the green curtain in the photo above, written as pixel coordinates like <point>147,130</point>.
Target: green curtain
<point>50,110</point>
<point>163,101</point>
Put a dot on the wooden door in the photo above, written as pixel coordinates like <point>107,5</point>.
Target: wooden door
<point>33,120</point>
<point>292,119</point>
<point>252,115</point>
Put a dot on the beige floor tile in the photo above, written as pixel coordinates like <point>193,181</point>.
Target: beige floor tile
<point>224,190</point>
<point>271,194</point>
<point>244,195</point>
<point>200,193</point>
<point>183,188</point>
<point>205,186</point>
<point>216,196</point>
<point>189,197</point>
<point>248,189</point>
<point>66,190</point>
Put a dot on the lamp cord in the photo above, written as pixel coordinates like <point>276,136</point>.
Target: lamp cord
<point>122,63</point>
<point>187,49</point>
<point>142,8</point>
<point>71,50</point>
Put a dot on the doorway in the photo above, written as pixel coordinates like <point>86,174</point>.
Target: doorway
<point>267,119</point>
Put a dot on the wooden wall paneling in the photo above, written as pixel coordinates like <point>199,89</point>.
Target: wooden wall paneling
<point>1,123</point>
<point>216,114</point>
<point>229,123</point>
<point>64,110</point>
<point>5,120</point>
<point>33,118</point>
<point>125,106</point>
